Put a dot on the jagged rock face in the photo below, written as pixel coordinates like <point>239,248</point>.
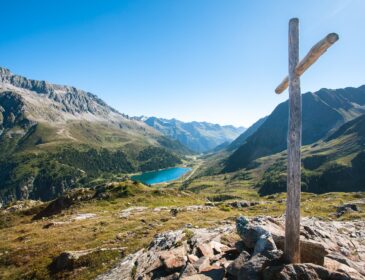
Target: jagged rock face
<point>12,111</point>
<point>57,97</point>
<point>218,253</point>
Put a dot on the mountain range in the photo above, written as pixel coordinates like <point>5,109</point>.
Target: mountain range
<point>199,137</point>
<point>333,153</point>
<point>53,137</point>
<point>323,112</point>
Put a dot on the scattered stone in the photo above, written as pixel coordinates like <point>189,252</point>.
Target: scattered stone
<point>174,259</point>
<point>174,212</point>
<point>358,266</point>
<point>328,252</point>
<point>296,271</point>
<point>123,270</point>
<point>201,264</point>
<point>310,251</point>
<point>22,205</point>
<point>67,260</point>
<point>253,236</point>
<point>218,247</point>
<point>242,204</point>
<point>341,210</point>
<point>234,268</point>
<point>206,250</point>
<point>252,269</point>
<point>64,202</point>
<point>84,216</point>
<point>197,277</point>
<point>159,209</point>
<point>192,258</point>
<point>263,244</point>
<point>54,224</point>
<point>147,262</point>
<point>189,270</point>
<point>213,272</point>
<point>131,210</point>
<point>166,240</point>
<point>341,271</point>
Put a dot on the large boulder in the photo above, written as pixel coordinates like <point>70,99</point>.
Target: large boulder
<point>301,271</point>
<point>310,251</point>
<point>252,269</point>
<point>234,268</point>
<point>254,236</point>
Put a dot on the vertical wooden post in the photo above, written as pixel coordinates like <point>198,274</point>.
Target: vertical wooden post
<point>292,222</point>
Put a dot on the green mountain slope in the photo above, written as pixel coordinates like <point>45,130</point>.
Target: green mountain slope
<point>240,140</point>
<point>323,112</point>
<point>334,164</point>
<point>56,137</point>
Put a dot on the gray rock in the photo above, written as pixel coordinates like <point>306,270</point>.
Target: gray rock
<point>201,264</point>
<point>310,251</point>
<point>237,264</point>
<point>242,204</point>
<point>343,260</point>
<point>166,240</point>
<point>263,244</point>
<point>214,273</point>
<point>305,271</point>
<point>188,271</point>
<point>197,277</point>
<point>68,260</point>
<point>252,269</point>
<point>123,270</point>
<point>341,210</point>
<point>174,259</point>
<point>251,234</point>
<point>147,262</point>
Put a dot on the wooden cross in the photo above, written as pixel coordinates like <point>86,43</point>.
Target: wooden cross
<point>292,220</point>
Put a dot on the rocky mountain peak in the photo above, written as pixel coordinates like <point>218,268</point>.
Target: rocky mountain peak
<point>66,99</point>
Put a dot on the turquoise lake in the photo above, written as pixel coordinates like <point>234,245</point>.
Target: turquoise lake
<point>161,176</point>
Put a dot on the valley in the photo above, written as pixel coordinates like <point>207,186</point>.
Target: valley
<point>70,163</point>
<point>182,140</point>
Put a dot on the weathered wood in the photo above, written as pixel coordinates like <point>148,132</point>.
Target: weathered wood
<point>292,220</point>
<point>315,52</point>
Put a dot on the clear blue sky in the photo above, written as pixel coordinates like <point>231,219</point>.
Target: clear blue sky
<point>205,60</point>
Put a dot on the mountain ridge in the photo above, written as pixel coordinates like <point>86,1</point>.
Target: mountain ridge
<point>323,112</point>
<point>197,136</point>
<point>55,137</point>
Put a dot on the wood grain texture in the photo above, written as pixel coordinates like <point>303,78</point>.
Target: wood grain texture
<point>315,52</point>
<point>292,220</point>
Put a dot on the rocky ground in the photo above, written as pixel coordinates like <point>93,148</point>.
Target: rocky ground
<point>88,234</point>
<point>251,249</point>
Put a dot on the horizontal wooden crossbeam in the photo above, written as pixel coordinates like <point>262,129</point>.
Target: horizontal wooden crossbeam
<point>315,52</point>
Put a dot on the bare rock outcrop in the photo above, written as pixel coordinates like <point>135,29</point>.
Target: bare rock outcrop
<point>330,251</point>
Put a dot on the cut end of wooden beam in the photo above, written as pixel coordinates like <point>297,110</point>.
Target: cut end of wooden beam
<point>318,49</point>
<point>332,37</point>
<point>294,20</point>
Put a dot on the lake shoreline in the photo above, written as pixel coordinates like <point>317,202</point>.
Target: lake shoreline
<point>161,176</point>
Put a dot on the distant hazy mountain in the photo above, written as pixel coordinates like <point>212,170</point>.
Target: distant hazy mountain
<point>52,137</point>
<point>197,136</point>
<point>323,112</point>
